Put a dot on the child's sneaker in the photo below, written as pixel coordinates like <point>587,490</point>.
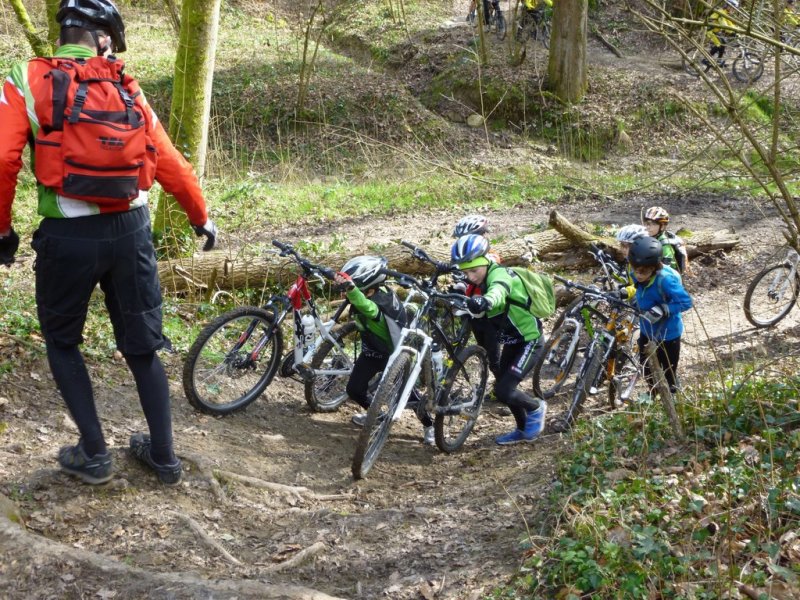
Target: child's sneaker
<point>168,474</point>
<point>429,437</point>
<point>359,419</point>
<point>94,470</point>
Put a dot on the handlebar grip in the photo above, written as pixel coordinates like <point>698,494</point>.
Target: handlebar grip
<point>281,246</point>
<point>408,244</point>
<point>327,273</point>
<point>444,267</point>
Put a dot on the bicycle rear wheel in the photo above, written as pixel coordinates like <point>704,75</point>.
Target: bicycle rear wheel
<point>692,61</point>
<point>379,416</point>
<point>461,398</point>
<point>223,371</point>
<point>325,392</point>
<point>749,67</point>
<point>771,295</point>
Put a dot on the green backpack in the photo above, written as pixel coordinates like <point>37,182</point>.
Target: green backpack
<point>540,290</point>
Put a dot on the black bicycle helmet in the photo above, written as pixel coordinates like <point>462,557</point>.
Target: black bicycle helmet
<point>94,15</point>
<point>366,271</point>
<point>471,224</point>
<point>645,252</point>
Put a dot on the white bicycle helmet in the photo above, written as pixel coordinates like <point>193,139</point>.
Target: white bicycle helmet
<point>732,3</point>
<point>471,224</point>
<point>657,214</point>
<point>366,271</point>
<point>631,233</point>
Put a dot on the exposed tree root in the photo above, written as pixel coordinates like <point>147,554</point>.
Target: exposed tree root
<point>17,542</point>
<point>299,493</point>
<point>206,470</point>
<point>298,558</point>
<point>205,538</point>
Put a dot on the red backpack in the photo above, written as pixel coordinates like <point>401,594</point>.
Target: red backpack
<point>94,140</point>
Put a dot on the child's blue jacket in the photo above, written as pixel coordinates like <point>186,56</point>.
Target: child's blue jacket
<point>663,289</point>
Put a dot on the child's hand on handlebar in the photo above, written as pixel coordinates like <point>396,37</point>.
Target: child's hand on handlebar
<point>343,281</point>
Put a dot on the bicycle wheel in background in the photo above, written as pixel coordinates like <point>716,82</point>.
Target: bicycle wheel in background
<point>223,372</point>
<point>692,61</point>
<point>771,295</point>
<point>555,363</point>
<point>543,33</point>
<point>327,392</point>
<point>461,398</point>
<point>379,416</point>
<point>749,67</point>
<point>586,379</point>
<point>500,26</point>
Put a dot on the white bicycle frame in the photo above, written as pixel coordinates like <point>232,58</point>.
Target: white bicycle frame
<point>418,355</point>
<point>777,287</point>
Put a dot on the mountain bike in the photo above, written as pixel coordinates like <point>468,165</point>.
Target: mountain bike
<point>496,23</point>
<point>610,355</point>
<point>534,25</point>
<point>236,356</point>
<point>452,392</point>
<point>773,292</point>
<point>747,64</point>
<point>613,275</point>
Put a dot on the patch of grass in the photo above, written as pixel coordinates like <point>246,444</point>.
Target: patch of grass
<point>641,514</point>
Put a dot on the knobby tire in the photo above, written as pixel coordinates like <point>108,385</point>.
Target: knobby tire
<point>326,393</point>
<point>774,276</point>
<point>379,416</point>
<point>465,383</point>
<point>218,376</point>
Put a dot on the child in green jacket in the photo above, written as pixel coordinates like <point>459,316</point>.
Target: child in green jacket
<point>501,297</point>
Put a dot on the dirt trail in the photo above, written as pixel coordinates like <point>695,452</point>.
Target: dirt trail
<point>422,522</point>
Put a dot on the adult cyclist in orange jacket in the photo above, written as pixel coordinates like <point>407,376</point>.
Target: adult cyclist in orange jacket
<point>80,244</point>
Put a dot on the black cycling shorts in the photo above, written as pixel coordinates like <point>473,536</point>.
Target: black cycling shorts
<point>114,250</point>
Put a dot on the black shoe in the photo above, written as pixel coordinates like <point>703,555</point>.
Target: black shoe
<point>94,470</point>
<point>140,448</point>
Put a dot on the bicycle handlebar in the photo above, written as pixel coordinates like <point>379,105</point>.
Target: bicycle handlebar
<point>288,250</point>
<point>610,297</point>
<point>420,254</point>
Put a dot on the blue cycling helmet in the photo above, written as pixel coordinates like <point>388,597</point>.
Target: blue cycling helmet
<point>470,251</point>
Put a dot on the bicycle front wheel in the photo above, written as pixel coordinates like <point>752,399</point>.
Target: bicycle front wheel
<point>771,295</point>
<point>461,398</point>
<point>379,416</point>
<point>232,361</point>
<point>749,67</point>
<point>586,379</point>
<point>331,365</point>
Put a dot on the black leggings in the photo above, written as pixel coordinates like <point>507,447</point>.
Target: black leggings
<point>487,337</point>
<point>668,353</point>
<point>516,361</point>
<point>72,379</point>
<point>367,365</point>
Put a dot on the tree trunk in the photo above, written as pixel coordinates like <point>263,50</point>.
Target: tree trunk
<point>53,28</point>
<point>40,46</point>
<point>217,270</point>
<point>191,106</point>
<point>567,76</point>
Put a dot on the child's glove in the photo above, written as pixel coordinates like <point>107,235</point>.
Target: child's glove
<point>9,244</point>
<point>478,304</point>
<point>344,282</point>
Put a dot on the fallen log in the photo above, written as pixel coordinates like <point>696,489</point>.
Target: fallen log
<point>203,274</point>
